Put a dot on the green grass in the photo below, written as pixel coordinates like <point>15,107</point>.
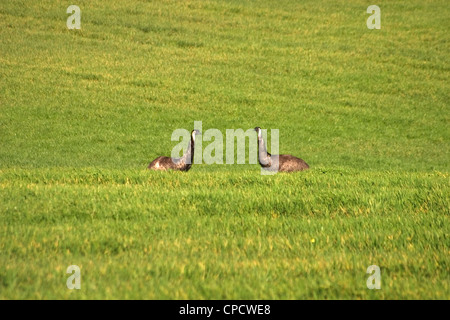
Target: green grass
<point>82,113</point>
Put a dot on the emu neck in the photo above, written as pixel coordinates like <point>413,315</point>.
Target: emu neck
<point>188,157</point>
<point>263,156</point>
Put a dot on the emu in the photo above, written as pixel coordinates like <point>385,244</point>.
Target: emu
<point>282,162</point>
<point>181,164</point>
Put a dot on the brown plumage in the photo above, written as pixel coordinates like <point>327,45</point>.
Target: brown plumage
<point>281,162</point>
<point>184,163</point>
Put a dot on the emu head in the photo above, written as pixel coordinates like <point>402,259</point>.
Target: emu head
<point>194,133</point>
<point>258,131</point>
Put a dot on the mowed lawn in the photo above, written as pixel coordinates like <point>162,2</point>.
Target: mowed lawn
<point>83,112</point>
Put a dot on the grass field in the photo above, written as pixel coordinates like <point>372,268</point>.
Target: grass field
<point>83,112</point>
